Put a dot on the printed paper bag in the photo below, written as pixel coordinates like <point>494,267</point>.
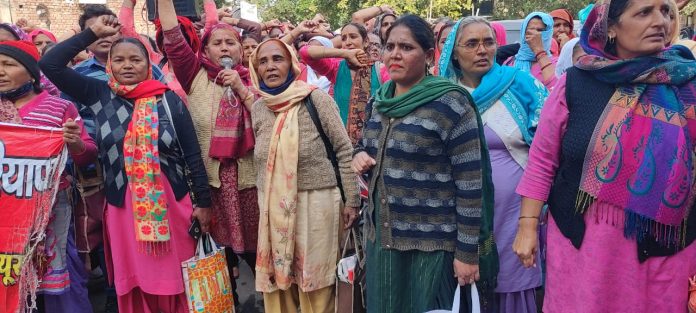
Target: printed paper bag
<point>207,280</point>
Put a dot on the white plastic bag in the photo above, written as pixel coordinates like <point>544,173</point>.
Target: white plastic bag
<point>457,301</point>
<point>346,269</point>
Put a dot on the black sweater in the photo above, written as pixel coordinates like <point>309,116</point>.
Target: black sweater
<point>112,116</point>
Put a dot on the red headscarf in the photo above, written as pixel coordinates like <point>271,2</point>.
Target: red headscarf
<point>566,16</point>
<point>48,34</point>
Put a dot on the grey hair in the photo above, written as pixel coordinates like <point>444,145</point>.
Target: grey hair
<point>471,20</point>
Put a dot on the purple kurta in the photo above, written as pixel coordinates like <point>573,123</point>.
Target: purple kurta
<point>516,284</point>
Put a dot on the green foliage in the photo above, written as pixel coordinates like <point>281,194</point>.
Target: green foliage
<point>338,12</point>
<point>517,9</point>
<point>451,8</point>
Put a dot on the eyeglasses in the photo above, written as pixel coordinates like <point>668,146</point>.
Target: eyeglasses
<point>471,46</point>
<point>374,45</point>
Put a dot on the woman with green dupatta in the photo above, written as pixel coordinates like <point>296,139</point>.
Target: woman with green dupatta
<point>428,223</point>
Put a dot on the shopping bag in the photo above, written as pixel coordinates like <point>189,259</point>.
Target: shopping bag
<point>207,280</point>
<point>457,302</point>
<point>350,276</point>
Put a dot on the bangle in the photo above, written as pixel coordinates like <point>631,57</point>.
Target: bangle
<point>545,66</point>
<point>380,10</point>
<point>534,217</point>
<point>536,56</point>
<point>249,95</point>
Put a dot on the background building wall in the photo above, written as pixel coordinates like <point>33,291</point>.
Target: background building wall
<point>60,16</point>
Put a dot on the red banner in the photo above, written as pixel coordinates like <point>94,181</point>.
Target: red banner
<point>31,162</point>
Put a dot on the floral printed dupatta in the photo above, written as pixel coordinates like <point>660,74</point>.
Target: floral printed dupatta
<point>142,161</point>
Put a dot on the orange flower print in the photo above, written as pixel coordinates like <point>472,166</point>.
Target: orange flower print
<point>141,210</point>
<point>140,192</point>
<point>163,230</point>
<point>146,229</point>
<point>138,154</point>
<point>139,173</point>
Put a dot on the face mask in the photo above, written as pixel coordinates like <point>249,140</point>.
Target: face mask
<point>15,94</point>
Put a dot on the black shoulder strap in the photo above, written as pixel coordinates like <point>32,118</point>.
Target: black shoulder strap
<point>330,153</point>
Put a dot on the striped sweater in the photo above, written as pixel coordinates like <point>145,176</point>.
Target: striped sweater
<point>428,177</point>
<point>46,110</point>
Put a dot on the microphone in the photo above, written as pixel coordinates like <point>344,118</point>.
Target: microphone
<point>227,63</point>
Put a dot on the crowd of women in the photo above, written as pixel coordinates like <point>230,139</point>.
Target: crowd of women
<point>559,165</point>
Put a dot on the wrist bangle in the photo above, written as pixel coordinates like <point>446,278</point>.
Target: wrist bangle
<point>545,66</point>
<point>249,95</point>
<point>536,56</point>
<point>380,10</point>
<point>534,217</point>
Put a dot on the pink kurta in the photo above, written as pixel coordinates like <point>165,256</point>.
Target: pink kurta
<point>138,275</point>
<point>536,72</point>
<point>604,275</point>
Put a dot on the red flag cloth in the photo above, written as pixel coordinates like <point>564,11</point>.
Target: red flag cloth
<point>31,162</point>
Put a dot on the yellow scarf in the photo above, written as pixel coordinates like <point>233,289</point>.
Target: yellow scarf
<point>276,245</point>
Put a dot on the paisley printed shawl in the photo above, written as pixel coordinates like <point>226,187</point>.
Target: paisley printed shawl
<point>359,95</point>
<point>142,161</point>
<point>276,246</point>
<point>641,155</point>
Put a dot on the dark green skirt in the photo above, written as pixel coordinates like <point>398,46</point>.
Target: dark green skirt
<point>407,281</point>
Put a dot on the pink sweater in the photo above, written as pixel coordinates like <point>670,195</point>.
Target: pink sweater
<point>49,111</point>
<point>545,153</point>
<point>329,66</point>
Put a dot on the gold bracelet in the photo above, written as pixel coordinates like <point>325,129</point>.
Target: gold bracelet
<point>534,217</point>
<point>249,95</point>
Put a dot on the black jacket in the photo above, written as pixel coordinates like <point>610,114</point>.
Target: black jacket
<point>112,116</point>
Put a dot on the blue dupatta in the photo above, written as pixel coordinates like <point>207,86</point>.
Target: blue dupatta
<point>522,95</point>
<point>525,56</point>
